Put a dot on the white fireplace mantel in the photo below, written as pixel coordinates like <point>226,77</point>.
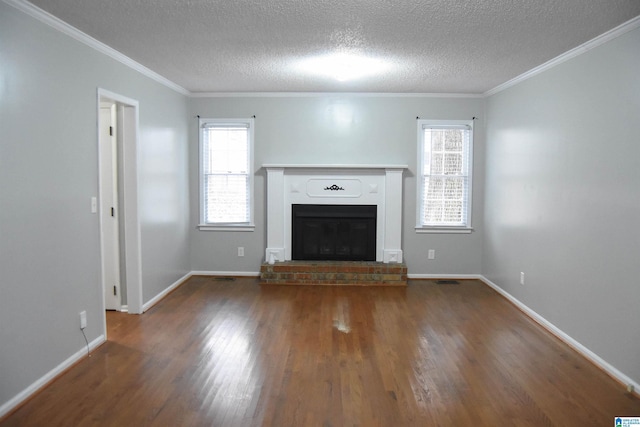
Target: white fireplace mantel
<point>379,185</point>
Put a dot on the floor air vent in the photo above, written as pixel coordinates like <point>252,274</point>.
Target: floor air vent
<point>447,282</point>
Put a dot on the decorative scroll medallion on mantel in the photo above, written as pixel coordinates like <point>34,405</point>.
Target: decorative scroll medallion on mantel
<point>334,187</point>
<point>322,187</point>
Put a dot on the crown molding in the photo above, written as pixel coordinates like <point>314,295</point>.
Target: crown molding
<point>331,94</point>
<point>63,27</point>
<point>616,32</point>
<point>58,24</point>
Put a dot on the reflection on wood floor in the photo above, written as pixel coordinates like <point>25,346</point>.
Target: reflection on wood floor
<point>233,353</point>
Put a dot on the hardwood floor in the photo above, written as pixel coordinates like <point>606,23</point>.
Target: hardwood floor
<point>233,353</point>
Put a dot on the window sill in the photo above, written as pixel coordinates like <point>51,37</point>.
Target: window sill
<point>230,227</point>
<point>444,230</point>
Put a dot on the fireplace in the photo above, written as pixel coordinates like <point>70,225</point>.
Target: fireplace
<point>379,186</point>
<point>334,232</point>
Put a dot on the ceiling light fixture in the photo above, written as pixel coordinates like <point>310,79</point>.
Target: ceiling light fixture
<point>344,66</point>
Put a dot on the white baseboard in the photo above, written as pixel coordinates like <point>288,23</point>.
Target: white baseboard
<point>444,276</point>
<point>153,301</point>
<point>146,306</point>
<point>25,394</point>
<point>584,351</point>
<point>226,273</point>
<point>21,397</point>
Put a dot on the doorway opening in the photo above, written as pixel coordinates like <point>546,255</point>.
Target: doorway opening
<point>118,206</point>
<point>111,233</point>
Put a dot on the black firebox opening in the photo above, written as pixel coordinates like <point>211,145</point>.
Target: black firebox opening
<point>334,232</point>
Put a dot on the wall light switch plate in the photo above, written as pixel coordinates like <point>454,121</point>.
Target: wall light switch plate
<point>521,278</point>
<point>431,254</point>
<point>240,251</point>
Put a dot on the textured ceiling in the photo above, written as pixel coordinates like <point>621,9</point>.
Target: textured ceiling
<point>434,46</point>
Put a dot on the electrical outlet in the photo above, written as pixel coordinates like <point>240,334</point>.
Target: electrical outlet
<point>240,251</point>
<point>83,319</point>
<point>431,254</point>
<point>522,278</point>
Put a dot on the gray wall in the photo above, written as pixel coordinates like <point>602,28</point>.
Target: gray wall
<point>558,201</point>
<point>563,199</point>
<point>49,240</point>
<point>338,129</point>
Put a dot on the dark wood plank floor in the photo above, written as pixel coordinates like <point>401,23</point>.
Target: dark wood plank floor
<point>221,353</point>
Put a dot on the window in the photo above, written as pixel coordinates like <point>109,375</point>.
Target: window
<point>445,157</point>
<point>226,175</point>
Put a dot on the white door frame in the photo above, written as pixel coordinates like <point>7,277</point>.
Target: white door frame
<point>129,128</point>
<point>110,233</point>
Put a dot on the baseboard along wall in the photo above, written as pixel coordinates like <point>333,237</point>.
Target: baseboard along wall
<point>43,381</point>
<point>631,385</point>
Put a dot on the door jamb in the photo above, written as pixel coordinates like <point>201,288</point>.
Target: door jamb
<point>131,218</point>
<point>114,163</point>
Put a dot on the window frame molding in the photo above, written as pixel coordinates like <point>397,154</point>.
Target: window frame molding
<point>443,229</point>
<point>231,226</point>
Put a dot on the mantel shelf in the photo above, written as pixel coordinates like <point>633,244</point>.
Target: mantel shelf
<point>333,166</point>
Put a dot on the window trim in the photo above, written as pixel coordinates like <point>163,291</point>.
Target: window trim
<point>227,226</point>
<point>458,229</point>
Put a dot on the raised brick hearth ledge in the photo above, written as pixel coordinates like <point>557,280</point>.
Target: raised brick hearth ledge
<point>332,273</point>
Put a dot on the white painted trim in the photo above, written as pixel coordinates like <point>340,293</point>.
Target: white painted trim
<point>101,201</point>
<point>420,156</point>
<point>333,166</point>
<point>226,273</point>
<point>379,185</point>
<point>444,276</point>
<point>632,24</point>
<point>187,276</point>
<point>444,230</point>
<point>584,351</point>
<point>153,301</point>
<point>132,240</point>
<point>58,24</point>
<point>243,228</point>
<point>117,98</point>
<point>331,94</point>
<point>550,327</point>
<point>43,381</point>
<point>250,126</point>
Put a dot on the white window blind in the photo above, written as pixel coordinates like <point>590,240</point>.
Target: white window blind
<point>445,187</point>
<point>226,173</point>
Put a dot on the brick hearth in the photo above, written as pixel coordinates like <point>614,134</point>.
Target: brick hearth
<point>341,273</point>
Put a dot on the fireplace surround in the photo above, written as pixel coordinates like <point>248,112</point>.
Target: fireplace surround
<point>338,185</point>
